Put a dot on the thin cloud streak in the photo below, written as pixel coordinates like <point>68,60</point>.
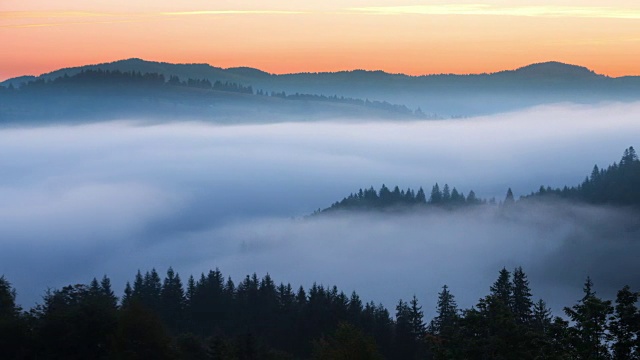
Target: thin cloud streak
<point>486,9</point>
<point>231,12</point>
<point>4,15</point>
<point>67,23</point>
<point>128,17</point>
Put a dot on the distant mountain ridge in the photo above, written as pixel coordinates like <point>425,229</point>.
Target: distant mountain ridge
<point>442,95</point>
<point>543,69</point>
<point>556,69</point>
<point>99,95</point>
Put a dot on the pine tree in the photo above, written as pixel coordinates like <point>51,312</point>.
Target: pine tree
<point>355,308</point>
<point>541,318</point>
<point>405,342</point>
<point>471,198</point>
<point>443,332</point>
<point>128,295</point>
<point>8,308</point>
<point>13,331</point>
<point>522,303</point>
<point>589,317</point>
<point>385,195</point>
<point>172,300</point>
<point>416,319</point>
<point>446,194</point>
<point>625,326</point>
<point>502,289</point>
<point>447,314</point>
<point>509,200</point>
<point>421,197</point>
<point>436,195</point>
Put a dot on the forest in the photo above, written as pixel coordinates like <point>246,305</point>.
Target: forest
<point>617,185</point>
<point>211,317</point>
<point>84,94</point>
<point>446,95</point>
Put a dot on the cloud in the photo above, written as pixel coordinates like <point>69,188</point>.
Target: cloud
<point>387,257</point>
<point>63,18</point>
<point>81,201</point>
<point>604,12</point>
<point>231,12</point>
<point>17,19</point>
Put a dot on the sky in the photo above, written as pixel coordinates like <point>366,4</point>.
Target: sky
<point>81,201</point>
<point>413,37</point>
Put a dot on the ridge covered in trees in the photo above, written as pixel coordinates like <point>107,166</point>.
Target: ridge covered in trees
<point>211,317</point>
<point>448,95</point>
<point>147,91</point>
<point>384,199</point>
<point>616,185</point>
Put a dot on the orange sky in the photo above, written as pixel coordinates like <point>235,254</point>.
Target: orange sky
<point>415,37</point>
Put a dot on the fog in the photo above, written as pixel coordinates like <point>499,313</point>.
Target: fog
<point>111,198</point>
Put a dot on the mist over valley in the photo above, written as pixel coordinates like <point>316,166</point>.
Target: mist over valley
<point>114,174</point>
<point>119,196</point>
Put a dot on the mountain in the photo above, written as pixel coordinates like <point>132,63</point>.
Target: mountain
<point>443,95</point>
<point>96,95</point>
<point>18,81</point>
<point>555,70</point>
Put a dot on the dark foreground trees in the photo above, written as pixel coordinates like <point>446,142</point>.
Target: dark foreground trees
<point>213,318</point>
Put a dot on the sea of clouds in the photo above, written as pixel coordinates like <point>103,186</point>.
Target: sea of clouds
<point>110,198</point>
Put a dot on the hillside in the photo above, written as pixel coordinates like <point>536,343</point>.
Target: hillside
<point>616,185</point>
<point>442,95</point>
<point>113,94</point>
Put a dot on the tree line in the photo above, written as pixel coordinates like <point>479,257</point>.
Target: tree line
<point>101,77</point>
<point>398,199</point>
<point>211,317</point>
<point>105,78</point>
<point>381,105</point>
<point>615,185</point>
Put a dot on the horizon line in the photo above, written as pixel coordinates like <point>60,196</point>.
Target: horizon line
<point>312,72</point>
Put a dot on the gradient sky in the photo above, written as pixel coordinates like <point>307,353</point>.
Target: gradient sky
<point>415,37</point>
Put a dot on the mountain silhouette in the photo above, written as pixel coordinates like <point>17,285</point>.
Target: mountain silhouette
<point>96,94</point>
<point>441,95</point>
<point>556,70</point>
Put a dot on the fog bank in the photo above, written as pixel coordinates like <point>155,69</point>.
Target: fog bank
<point>81,201</point>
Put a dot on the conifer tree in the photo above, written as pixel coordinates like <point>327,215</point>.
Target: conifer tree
<point>13,331</point>
<point>589,330</point>
<point>128,295</point>
<point>625,326</point>
<point>446,194</point>
<point>447,313</point>
<point>502,289</point>
<point>172,300</point>
<point>436,195</point>
<point>509,200</point>
<point>421,197</point>
<point>471,198</point>
<point>416,318</point>
<point>522,302</point>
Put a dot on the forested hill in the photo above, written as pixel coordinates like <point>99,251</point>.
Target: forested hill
<point>618,185</point>
<point>398,200</point>
<point>106,94</point>
<point>444,95</point>
<point>213,318</point>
